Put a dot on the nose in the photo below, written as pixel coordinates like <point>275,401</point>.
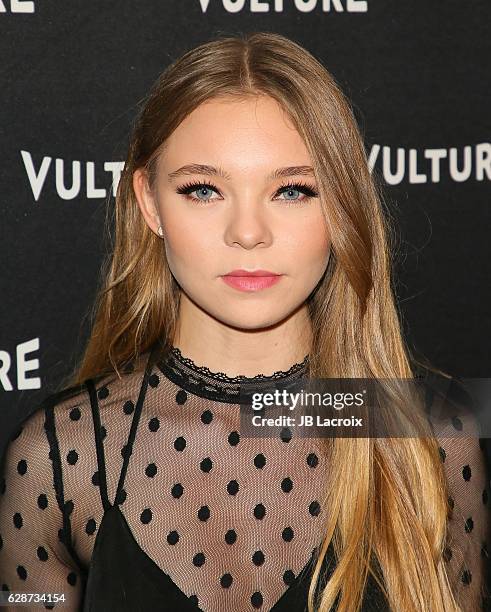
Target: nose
<point>248,226</point>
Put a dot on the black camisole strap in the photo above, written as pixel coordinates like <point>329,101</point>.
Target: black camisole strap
<point>101,462</point>
<point>128,447</point>
<point>66,507</point>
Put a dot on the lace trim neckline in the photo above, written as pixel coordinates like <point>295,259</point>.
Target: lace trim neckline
<point>218,386</point>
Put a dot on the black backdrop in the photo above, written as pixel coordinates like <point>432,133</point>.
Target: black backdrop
<point>73,73</point>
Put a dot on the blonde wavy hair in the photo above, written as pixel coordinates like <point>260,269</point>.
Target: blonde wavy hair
<point>387,497</point>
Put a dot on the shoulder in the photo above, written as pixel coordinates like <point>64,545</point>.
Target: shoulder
<point>27,477</point>
<point>29,444</point>
<point>68,413</point>
<point>463,449</point>
<point>455,415</point>
<point>30,477</point>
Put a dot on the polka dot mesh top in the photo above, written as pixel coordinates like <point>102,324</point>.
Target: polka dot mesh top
<point>156,463</point>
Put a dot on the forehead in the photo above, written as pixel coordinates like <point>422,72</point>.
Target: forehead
<point>254,131</point>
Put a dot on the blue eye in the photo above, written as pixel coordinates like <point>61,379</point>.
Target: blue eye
<point>199,188</point>
<point>289,190</point>
<point>204,189</point>
<point>297,188</point>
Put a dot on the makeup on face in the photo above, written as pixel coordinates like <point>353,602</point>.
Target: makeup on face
<point>253,280</point>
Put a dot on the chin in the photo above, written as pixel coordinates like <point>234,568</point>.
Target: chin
<point>251,318</point>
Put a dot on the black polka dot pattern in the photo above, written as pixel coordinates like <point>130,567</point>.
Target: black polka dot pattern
<point>312,460</point>
<point>120,497</point>
<point>230,536</point>
<point>75,414</point>
<point>457,423</point>
<point>204,513</point>
<point>103,393</point>
<point>42,501</point>
<point>286,485</point>
<point>72,457</point>
<point>146,516</point>
<point>206,464</point>
<point>153,424</point>
<point>232,487</point>
<point>151,470</point>
<point>466,577</point>
<point>259,511</point>
<point>207,417</point>
<point>288,577</point>
<point>154,380</point>
<point>287,534</point>
<point>260,461</point>
<point>465,492</point>
<point>442,452</point>
<point>257,600</point>
<point>181,397</point>
<point>258,557</point>
<point>226,580</point>
<point>199,494</point>
<point>286,434</point>
<point>126,451</point>
<point>128,407</point>
<point>180,443</point>
<point>199,559</point>
<point>233,438</point>
<point>177,490</point>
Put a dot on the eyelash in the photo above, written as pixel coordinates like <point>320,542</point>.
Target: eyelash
<point>308,191</point>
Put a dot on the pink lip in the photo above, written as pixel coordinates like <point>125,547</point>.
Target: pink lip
<point>251,281</point>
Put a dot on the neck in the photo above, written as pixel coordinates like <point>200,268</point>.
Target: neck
<point>233,351</point>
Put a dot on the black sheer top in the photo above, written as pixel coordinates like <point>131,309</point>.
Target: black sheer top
<point>139,493</point>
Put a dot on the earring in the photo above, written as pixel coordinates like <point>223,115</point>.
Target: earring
<point>160,231</point>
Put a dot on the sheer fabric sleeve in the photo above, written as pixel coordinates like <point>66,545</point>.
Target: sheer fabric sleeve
<point>33,558</point>
<point>469,526</point>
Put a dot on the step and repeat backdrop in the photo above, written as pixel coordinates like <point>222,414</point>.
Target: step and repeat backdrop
<point>73,73</point>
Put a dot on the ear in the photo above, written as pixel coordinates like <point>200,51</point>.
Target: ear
<point>146,200</point>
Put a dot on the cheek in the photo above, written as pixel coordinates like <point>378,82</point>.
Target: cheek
<point>308,242</point>
<point>194,245</point>
<point>189,247</point>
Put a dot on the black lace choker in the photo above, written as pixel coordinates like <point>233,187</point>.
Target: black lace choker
<point>218,386</point>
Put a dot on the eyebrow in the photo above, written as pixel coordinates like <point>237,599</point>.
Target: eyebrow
<point>212,171</point>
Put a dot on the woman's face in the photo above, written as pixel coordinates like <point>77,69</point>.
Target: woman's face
<point>222,209</point>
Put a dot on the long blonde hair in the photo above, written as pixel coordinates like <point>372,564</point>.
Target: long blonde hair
<point>387,500</point>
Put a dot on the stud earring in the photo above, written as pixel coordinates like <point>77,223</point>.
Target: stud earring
<point>160,231</point>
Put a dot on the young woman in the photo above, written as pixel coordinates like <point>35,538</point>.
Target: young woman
<point>249,244</point>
